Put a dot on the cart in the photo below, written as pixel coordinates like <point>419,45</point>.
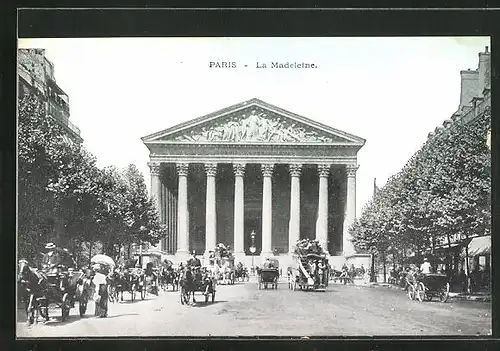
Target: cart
<point>63,289</point>
<point>192,282</point>
<point>268,275</point>
<point>432,285</point>
<point>300,277</point>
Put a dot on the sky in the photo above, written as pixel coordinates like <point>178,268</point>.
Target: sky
<point>390,91</point>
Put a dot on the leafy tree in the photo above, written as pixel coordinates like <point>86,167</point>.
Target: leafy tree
<point>444,189</point>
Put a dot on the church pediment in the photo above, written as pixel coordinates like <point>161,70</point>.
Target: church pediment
<point>253,122</point>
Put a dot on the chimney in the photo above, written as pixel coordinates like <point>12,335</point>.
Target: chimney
<point>484,71</point>
<point>468,87</point>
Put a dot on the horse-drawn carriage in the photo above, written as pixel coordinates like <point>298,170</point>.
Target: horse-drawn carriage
<point>241,273</point>
<point>196,279</point>
<point>309,272</point>
<point>168,275</point>
<point>268,275</point>
<point>53,286</point>
<point>129,278</point>
<point>424,287</point>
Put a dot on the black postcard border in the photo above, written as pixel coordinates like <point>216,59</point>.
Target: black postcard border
<point>223,22</point>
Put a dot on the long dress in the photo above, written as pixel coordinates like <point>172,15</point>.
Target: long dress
<point>101,303</point>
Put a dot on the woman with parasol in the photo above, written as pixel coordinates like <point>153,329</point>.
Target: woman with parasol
<point>101,265</point>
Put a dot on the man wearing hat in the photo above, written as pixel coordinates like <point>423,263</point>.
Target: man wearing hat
<point>425,268</point>
<point>194,261</point>
<point>195,264</point>
<point>51,258</point>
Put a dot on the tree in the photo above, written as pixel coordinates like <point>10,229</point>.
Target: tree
<point>444,189</point>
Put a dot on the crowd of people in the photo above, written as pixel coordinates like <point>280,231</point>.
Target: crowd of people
<point>348,274</point>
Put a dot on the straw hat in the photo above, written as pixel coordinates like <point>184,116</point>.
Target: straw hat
<point>50,246</point>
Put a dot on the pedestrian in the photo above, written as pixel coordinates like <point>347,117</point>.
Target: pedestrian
<point>101,298</point>
<point>425,268</point>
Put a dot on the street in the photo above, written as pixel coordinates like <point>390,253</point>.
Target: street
<point>243,310</point>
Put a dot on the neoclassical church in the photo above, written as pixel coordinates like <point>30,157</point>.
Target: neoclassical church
<point>253,167</point>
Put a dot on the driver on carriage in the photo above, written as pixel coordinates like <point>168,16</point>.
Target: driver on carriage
<point>56,257</point>
<point>194,261</point>
<point>426,267</point>
<point>267,263</point>
<point>195,264</point>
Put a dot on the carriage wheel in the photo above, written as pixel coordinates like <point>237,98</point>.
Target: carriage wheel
<point>30,310</point>
<point>444,293</point>
<point>44,309</point>
<point>82,304</point>
<point>411,292</point>
<point>420,293</point>
<point>65,307</point>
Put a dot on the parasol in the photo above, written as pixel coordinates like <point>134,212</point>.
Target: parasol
<point>104,260</point>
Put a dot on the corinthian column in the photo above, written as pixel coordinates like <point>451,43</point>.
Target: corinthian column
<point>350,214</point>
<point>182,211</point>
<point>156,189</point>
<point>294,224</point>
<point>322,222</point>
<point>239,203</point>
<point>211,220</point>
<point>267,209</point>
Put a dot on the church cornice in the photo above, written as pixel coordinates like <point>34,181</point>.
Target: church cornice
<point>248,144</point>
<point>247,159</point>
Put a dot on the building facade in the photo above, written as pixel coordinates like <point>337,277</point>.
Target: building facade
<point>254,167</point>
<point>36,76</point>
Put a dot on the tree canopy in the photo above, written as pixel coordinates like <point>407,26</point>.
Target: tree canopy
<point>443,190</point>
<point>64,197</point>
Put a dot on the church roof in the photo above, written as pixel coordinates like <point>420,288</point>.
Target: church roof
<point>253,122</point>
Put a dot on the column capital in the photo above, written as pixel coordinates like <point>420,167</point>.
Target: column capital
<point>239,169</point>
<point>182,168</point>
<point>295,169</point>
<point>324,170</point>
<point>351,170</point>
<point>267,169</point>
<point>211,169</point>
<point>154,167</point>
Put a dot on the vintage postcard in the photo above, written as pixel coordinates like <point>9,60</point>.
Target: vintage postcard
<point>232,186</point>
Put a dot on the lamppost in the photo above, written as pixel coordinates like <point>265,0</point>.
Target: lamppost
<point>253,248</point>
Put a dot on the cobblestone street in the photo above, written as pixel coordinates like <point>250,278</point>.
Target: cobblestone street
<point>243,310</point>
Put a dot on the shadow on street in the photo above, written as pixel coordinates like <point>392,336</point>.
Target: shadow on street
<point>207,304</point>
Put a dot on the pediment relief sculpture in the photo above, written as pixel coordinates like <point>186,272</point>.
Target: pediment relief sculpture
<point>255,126</point>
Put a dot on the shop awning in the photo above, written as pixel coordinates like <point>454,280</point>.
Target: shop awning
<point>479,246</point>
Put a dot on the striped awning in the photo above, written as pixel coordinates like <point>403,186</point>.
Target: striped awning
<point>479,246</point>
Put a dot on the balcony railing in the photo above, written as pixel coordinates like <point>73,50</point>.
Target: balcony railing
<point>61,115</point>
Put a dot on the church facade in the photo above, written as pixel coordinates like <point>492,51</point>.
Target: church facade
<point>253,167</point>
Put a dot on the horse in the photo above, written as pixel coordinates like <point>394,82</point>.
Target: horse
<point>126,281</point>
<point>114,285</point>
<point>169,277</point>
<point>191,282</point>
<point>33,286</point>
